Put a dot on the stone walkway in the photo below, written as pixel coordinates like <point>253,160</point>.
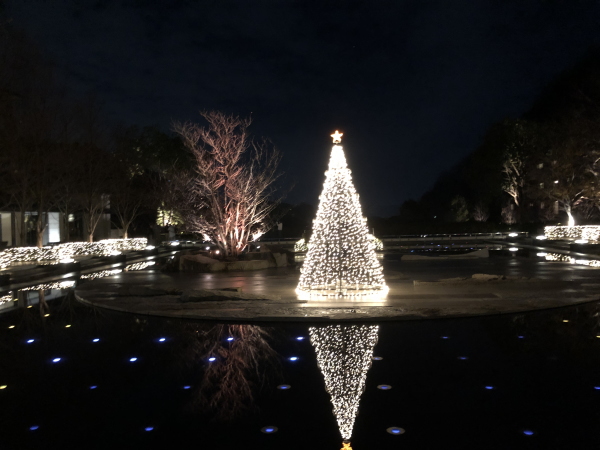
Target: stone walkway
<point>426,289</point>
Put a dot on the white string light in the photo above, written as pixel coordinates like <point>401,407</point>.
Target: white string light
<point>66,251</point>
<point>566,258</point>
<point>585,232</point>
<point>100,274</point>
<point>344,355</point>
<point>341,259</point>
<point>47,286</point>
<point>300,246</point>
<point>139,266</point>
<point>8,297</point>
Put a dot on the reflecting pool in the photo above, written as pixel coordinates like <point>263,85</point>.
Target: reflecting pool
<point>77,377</point>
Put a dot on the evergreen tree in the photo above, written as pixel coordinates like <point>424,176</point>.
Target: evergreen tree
<point>341,259</point>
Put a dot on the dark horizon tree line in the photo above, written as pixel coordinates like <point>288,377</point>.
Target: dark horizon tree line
<point>540,168</point>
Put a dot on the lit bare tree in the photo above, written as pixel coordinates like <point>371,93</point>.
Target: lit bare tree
<point>481,213</point>
<point>567,176</point>
<point>171,189</point>
<point>513,168</point>
<point>520,143</point>
<point>233,192</point>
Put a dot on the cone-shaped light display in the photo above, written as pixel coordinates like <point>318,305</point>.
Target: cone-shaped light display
<point>344,355</point>
<point>341,259</point>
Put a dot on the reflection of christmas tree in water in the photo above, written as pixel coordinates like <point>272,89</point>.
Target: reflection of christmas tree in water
<point>341,258</point>
<point>344,355</point>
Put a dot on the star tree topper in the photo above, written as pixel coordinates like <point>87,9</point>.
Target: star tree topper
<point>337,137</point>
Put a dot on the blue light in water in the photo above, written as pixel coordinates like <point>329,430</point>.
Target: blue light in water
<point>597,388</point>
<point>395,430</point>
<point>489,388</point>
<point>187,387</point>
<point>528,433</point>
<point>293,358</point>
<point>134,359</point>
<point>521,337</point>
<point>96,340</point>
<point>30,341</point>
<point>269,429</point>
<point>212,359</point>
<point>230,339</point>
<point>162,339</point>
<point>55,360</point>
<point>34,427</point>
<point>463,358</point>
<point>93,387</point>
<point>284,387</point>
<point>444,337</point>
<point>300,338</point>
<point>384,387</point>
<point>149,428</point>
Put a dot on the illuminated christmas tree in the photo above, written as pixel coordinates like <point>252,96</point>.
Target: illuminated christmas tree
<point>341,258</point>
<point>344,355</point>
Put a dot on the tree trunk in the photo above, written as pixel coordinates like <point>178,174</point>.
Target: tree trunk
<point>65,217</point>
<point>40,238</point>
<point>571,221</point>
<point>22,233</point>
<point>39,230</point>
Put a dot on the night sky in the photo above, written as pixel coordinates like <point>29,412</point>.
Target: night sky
<point>413,85</point>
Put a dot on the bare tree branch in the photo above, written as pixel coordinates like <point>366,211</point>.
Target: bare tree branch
<point>233,192</point>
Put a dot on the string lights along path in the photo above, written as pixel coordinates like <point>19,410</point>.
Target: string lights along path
<point>341,259</point>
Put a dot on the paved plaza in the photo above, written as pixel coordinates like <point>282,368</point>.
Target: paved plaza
<point>422,289</point>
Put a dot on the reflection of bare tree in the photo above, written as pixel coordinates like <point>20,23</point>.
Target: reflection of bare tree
<point>44,308</point>
<point>242,365</point>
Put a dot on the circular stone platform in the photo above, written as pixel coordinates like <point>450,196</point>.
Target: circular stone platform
<point>422,289</point>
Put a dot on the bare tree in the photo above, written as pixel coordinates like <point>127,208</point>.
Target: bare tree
<point>547,214</point>
<point>509,215</point>
<point>517,153</point>
<point>513,168</point>
<point>129,194</point>
<point>481,212</point>
<point>29,105</point>
<point>93,167</point>
<point>567,176</point>
<point>587,210</point>
<point>171,190</point>
<point>459,209</point>
<point>233,192</point>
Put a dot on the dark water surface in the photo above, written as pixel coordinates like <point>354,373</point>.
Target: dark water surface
<point>527,381</point>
